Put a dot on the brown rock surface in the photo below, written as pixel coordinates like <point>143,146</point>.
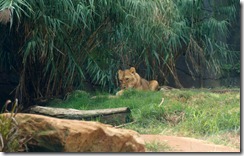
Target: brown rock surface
<point>62,135</point>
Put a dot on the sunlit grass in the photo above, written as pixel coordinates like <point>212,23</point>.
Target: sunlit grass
<point>198,113</point>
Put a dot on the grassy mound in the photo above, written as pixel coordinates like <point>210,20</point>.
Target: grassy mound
<point>196,113</point>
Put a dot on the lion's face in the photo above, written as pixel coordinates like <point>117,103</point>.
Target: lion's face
<point>130,79</point>
<point>127,78</point>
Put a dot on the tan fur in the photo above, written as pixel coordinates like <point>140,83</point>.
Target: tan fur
<point>129,78</point>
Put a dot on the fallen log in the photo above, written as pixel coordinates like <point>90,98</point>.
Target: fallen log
<point>113,116</point>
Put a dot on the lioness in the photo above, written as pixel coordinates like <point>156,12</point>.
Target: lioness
<point>130,79</point>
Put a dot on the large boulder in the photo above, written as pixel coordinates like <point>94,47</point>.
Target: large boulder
<point>50,134</point>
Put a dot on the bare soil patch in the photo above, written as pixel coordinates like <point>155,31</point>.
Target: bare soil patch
<point>184,144</point>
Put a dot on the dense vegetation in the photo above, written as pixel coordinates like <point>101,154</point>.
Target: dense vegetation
<point>59,46</point>
<point>199,113</point>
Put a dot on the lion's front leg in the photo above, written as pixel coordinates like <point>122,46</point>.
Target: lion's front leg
<point>119,93</point>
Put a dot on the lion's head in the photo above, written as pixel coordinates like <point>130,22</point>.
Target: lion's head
<point>128,78</point>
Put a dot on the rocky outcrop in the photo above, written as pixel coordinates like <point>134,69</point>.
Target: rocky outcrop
<point>205,78</point>
<point>50,134</point>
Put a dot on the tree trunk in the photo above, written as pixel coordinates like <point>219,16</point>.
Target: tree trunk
<point>113,116</point>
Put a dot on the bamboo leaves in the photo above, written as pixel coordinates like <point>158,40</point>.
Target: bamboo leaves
<point>70,41</point>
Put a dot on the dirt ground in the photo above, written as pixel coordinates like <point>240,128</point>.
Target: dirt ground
<point>183,144</point>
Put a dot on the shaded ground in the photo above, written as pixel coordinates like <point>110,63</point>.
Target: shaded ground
<point>183,144</point>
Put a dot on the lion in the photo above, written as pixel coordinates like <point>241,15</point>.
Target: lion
<point>129,78</point>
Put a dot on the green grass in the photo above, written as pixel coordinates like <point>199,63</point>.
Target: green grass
<point>157,147</point>
<point>197,113</point>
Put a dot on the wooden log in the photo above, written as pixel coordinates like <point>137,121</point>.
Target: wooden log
<point>113,116</point>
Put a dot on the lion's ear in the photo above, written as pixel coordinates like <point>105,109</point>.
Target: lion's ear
<point>133,70</point>
<point>120,72</point>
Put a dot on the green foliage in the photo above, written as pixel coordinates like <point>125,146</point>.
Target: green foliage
<point>232,67</point>
<point>58,46</point>
<point>11,139</point>
<point>209,24</point>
